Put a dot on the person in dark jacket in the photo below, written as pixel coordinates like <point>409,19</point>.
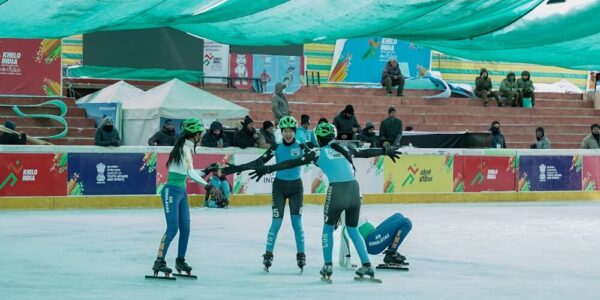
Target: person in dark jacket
<point>526,88</point>
<point>542,142</point>
<point>266,138</point>
<point>165,136</point>
<point>7,138</point>
<point>392,76</point>
<point>346,124</point>
<point>368,135</point>
<point>483,88</point>
<point>510,90</point>
<point>592,140</point>
<point>498,140</point>
<point>247,136</point>
<point>215,137</point>
<point>279,103</point>
<point>107,135</point>
<point>390,129</point>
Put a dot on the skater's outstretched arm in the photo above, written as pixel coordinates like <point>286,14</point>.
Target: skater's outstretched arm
<point>195,175</point>
<point>391,152</point>
<point>261,160</point>
<point>307,158</point>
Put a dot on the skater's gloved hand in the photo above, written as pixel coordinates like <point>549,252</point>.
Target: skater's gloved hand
<point>392,152</point>
<point>211,168</point>
<point>231,168</point>
<point>259,172</point>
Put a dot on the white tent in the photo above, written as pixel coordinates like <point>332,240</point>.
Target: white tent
<point>174,100</point>
<point>117,92</point>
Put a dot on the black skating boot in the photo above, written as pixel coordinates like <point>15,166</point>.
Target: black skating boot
<point>161,266</point>
<point>365,270</point>
<point>181,265</point>
<point>267,260</point>
<point>394,258</point>
<point>301,259</point>
<point>326,272</point>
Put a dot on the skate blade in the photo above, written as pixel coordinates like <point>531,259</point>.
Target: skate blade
<point>160,277</point>
<point>186,276</point>
<point>391,267</point>
<point>368,279</point>
<point>266,269</point>
<point>326,280</point>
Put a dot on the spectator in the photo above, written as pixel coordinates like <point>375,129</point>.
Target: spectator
<point>510,90</point>
<point>215,137</point>
<point>323,120</point>
<point>107,135</point>
<point>279,103</point>
<point>498,140</point>
<point>390,129</point>
<point>392,76</point>
<point>483,88</point>
<point>266,138</point>
<point>368,135</point>
<point>8,138</point>
<point>409,128</point>
<point>346,124</point>
<point>592,141</point>
<point>165,136</point>
<point>264,79</point>
<point>526,87</point>
<point>303,134</point>
<point>542,142</point>
<point>247,136</point>
<point>217,190</point>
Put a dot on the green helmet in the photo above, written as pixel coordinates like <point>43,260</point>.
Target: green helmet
<point>288,122</point>
<point>325,130</point>
<point>192,125</point>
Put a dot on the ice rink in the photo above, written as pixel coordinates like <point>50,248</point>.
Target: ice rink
<point>457,251</point>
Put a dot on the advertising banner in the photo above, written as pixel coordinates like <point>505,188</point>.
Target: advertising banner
<point>30,67</point>
<point>481,173</point>
<point>272,69</point>
<point>98,111</point>
<point>240,69</point>
<point>201,161</point>
<point>591,173</point>
<point>362,60</point>
<point>369,173</point>
<point>550,173</point>
<point>216,61</point>
<point>112,174</point>
<point>419,173</point>
<point>28,174</point>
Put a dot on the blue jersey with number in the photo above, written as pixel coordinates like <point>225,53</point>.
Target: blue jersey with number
<point>284,153</point>
<point>335,165</point>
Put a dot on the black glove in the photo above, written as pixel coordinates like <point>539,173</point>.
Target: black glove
<point>230,169</point>
<point>259,172</point>
<point>390,151</point>
<point>211,168</point>
<point>533,146</point>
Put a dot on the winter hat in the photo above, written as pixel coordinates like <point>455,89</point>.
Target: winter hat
<point>10,125</point>
<point>369,125</point>
<point>391,109</point>
<point>247,120</point>
<point>267,125</point>
<point>483,70</point>
<point>304,119</point>
<point>107,121</point>
<point>349,109</point>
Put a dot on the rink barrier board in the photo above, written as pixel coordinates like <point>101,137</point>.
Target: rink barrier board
<point>154,201</point>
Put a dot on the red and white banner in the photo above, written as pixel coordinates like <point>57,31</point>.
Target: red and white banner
<point>484,173</point>
<point>33,174</point>
<point>30,67</point>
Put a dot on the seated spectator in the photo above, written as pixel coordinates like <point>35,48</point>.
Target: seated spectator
<point>392,76</point>
<point>215,137</point>
<point>542,142</point>
<point>107,135</point>
<point>303,134</point>
<point>165,136</point>
<point>592,140</point>
<point>217,190</point>
<point>483,88</point>
<point>526,87</point>
<point>498,140</point>
<point>266,138</point>
<point>510,90</point>
<point>9,138</point>
<point>368,135</point>
<point>247,136</point>
<point>346,124</point>
<point>322,120</point>
<point>390,129</point>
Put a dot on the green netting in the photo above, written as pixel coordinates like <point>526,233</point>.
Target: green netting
<point>133,73</point>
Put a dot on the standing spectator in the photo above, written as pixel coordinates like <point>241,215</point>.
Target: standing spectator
<point>165,136</point>
<point>215,137</point>
<point>483,88</point>
<point>279,103</point>
<point>346,124</point>
<point>247,136</point>
<point>368,135</point>
<point>526,87</point>
<point>392,76</point>
<point>390,129</point>
<point>498,140</point>
<point>303,134</point>
<point>592,141</point>
<point>510,90</point>
<point>264,79</point>
<point>266,138</point>
<point>7,138</point>
<point>542,142</point>
<point>107,135</point>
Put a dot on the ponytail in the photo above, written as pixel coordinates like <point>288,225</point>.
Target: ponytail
<point>177,151</point>
<point>344,152</point>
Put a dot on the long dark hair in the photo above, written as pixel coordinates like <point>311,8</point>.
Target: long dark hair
<point>177,151</point>
<point>335,146</point>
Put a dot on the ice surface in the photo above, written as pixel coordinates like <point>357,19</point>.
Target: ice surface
<point>457,251</point>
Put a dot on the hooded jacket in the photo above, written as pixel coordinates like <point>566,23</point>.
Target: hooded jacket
<point>12,138</point>
<point>210,139</point>
<point>265,138</point>
<point>483,84</point>
<point>163,137</point>
<point>245,138</point>
<point>525,85</point>
<point>591,141</point>
<point>390,71</point>
<point>498,140</point>
<point>508,86</point>
<point>541,142</point>
<point>107,135</point>
<point>345,125</point>
<point>367,137</point>
<point>279,103</point>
